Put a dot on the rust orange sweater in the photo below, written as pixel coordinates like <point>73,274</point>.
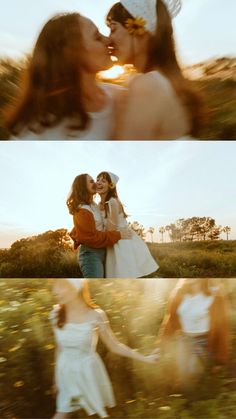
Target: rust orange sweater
<point>84,232</point>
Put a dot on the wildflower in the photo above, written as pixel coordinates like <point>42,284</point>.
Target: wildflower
<point>14,348</point>
<point>19,384</point>
<point>49,346</point>
<point>164,408</point>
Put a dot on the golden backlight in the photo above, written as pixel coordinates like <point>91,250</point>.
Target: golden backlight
<point>113,73</point>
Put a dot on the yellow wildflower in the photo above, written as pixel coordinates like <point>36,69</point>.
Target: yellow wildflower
<point>14,348</point>
<point>49,346</point>
<point>18,384</point>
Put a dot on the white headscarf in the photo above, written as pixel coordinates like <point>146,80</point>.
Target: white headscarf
<point>146,9</point>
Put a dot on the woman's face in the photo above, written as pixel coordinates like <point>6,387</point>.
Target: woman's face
<point>63,291</point>
<point>97,56</point>
<point>120,43</point>
<point>102,185</point>
<point>91,185</point>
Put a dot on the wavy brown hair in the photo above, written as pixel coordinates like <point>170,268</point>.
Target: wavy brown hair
<point>51,87</point>
<point>219,334</point>
<point>161,55</point>
<point>112,193</point>
<point>61,315</point>
<point>79,194</point>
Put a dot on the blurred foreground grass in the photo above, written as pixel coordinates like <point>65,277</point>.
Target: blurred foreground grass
<point>218,88</point>
<point>135,309</point>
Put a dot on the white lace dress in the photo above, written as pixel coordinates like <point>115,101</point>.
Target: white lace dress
<point>128,258</point>
<point>100,127</point>
<point>81,378</point>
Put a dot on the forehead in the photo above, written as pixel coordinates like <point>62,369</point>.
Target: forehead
<point>102,177</point>
<point>87,24</point>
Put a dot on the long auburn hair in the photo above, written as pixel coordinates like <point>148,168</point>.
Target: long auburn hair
<point>161,54</point>
<point>51,87</point>
<point>219,334</point>
<point>61,314</point>
<point>79,194</point>
<point>112,193</point>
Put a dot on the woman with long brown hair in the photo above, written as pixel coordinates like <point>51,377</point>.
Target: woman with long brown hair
<point>160,103</point>
<point>81,380</point>
<point>88,233</point>
<point>127,258</point>
<point>197,317</point>
<point>59,97</point>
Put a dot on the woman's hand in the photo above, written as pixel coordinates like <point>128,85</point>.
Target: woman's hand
<point>152,358</point>
<point>156,351</point>
<point>126,233</point>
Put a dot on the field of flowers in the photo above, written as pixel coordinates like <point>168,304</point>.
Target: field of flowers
<point>135,309</point>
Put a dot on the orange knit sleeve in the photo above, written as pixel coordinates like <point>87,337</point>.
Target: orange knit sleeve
<point>84,232</point>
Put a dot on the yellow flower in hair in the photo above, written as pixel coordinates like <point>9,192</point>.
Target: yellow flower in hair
<point>136,26</point>
<point>112,185</point>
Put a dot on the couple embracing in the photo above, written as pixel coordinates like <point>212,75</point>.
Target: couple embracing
<point>62,98</point>
<point>107,247</point>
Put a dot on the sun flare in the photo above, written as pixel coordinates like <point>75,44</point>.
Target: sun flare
<point>113,73</point>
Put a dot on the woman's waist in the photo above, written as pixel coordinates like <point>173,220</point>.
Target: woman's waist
<point>73,350</point>
<point>84,248</point>
<point>196,335</point>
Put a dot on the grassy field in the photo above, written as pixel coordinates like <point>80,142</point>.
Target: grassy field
<point>135,309</point>
<point>195,259</point>
<point>44,259</point>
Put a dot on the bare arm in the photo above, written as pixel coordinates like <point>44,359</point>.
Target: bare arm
<point>112,343</point>
<point>113,215</point>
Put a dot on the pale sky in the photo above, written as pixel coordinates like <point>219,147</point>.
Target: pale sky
<point>159,182</point>
<point>204,28</point>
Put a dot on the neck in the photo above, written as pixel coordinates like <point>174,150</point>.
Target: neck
<point>140,53</point>
<point>77,306</point>
<point>93,95</point>
<point>103,198</point>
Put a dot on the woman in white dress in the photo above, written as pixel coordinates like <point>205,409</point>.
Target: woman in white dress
<point>81,380</point>
<point>161,104</point>
<point>197,318</point>
<point>127,258</point>
<point>60,97</point>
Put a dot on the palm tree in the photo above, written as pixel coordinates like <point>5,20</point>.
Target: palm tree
<point>226,230</point>
<point>151,231</point>
<point>162,231</point>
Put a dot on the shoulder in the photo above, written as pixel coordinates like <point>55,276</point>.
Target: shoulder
<point>100,316</point>
<point>113,201</point>
<point>114,204</point>
<point>85,208</point>
<point>149,83</point>
<point>113,88</point>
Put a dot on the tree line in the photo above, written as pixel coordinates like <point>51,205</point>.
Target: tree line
<point>184,230</point>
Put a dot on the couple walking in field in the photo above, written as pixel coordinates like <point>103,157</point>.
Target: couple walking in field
<point>107,247</point>
<point>197,319</point>
<point>61,97</point>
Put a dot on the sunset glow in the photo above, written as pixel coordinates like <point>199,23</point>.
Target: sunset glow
<point>113,73</point>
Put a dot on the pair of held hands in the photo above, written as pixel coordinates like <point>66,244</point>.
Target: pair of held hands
<point>153,357</point>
